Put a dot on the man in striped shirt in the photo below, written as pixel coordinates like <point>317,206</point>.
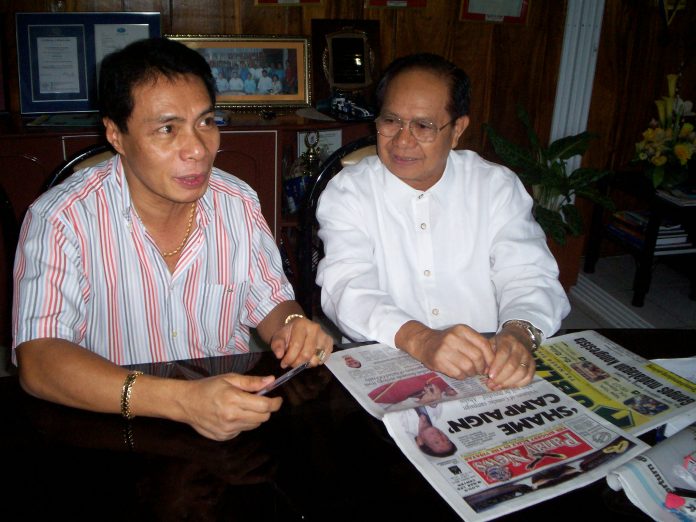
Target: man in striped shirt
<point>154,256</point>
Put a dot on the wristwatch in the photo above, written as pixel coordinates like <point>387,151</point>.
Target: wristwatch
<point>534,333</point>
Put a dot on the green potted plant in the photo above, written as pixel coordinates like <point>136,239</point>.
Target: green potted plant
<point>543,169</point>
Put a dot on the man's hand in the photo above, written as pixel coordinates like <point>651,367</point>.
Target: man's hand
<point>431,393</point>
<point>299,341</point>
<point>513,366</point>
<point>223,406</point>
<point>458,351</point>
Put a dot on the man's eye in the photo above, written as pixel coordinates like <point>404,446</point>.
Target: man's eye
<point>387,120</point>
<point>208,121</point>
<point>166,129</point>
<point>421,124</point>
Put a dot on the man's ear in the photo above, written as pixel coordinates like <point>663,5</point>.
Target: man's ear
<point>113,134</point>
<point>460,125</point>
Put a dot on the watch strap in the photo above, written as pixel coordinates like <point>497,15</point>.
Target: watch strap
<point>533,332</point>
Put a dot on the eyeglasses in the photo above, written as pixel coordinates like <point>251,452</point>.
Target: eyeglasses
<point>422,130</point>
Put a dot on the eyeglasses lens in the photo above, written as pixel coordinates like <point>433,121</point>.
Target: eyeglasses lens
<point>423,131</point>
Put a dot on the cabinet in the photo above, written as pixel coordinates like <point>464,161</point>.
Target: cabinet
<point>251,148</point>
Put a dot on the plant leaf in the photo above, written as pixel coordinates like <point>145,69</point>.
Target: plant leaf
<point>531,134</point>
<point>572,218</point>
<point>551,223</point>
<point>533,176</point>
<point>658,176</point>
<point>513,155</point>
<point>596,197</point>
<point>584,177</point>
<point>564,148</point>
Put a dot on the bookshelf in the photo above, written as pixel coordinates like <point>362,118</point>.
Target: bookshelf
<point>667,227</point>
<point>630,227</point>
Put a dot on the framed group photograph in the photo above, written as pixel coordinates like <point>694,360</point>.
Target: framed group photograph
<point>256,72</point>
<point>59,54</point>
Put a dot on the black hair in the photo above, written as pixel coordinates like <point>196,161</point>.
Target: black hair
<point>432,453</point>
<point>456,78</point>
<point>144,61</point>
<point>423,412</point>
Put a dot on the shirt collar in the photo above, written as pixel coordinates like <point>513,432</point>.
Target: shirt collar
<point>127,211</point>
<point>402,193</point>
<point>120,176</point>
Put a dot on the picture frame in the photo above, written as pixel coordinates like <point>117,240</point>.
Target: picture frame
<point>58,55</point>
<point>502,11</point>
<point>287,3</point>
<point>251,59</point>
<point>367,31</point>
<point>396,3</point>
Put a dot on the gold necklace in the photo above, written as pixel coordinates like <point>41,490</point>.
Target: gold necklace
<point>188,233</point>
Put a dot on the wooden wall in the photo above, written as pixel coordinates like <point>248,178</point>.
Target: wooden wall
<point>637,51</point>
<point>508,63</point>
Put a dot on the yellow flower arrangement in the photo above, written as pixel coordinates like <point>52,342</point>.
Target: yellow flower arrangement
<point>669,142</point>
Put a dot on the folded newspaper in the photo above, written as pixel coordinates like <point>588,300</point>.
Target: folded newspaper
<point>662,481</point>
<point>486,453</point>
<point>631,392</point>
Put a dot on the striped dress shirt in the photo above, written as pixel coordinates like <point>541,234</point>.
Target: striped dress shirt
<point>87,271</point>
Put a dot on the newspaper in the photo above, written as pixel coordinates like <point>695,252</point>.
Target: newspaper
<point>631,392</point>
<point>662,481</point>
<point>486,453</point>
<point>684,367</point>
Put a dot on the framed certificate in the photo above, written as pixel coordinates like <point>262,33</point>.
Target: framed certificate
<point>58,55</point>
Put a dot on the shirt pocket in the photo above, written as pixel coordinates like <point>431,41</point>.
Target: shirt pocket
<point>220,312</point>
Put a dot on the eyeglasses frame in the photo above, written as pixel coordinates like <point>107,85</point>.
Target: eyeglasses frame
<point>410,129</point>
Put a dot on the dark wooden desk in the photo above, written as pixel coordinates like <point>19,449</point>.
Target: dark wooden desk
<point>320,458</point>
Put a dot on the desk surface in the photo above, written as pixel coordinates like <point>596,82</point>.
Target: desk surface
<point>322,457</point>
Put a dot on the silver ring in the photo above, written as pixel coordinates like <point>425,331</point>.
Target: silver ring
<point>523,364</point>
<point>320,354</point>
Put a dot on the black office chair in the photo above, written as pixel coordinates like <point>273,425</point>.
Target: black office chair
<point>83,159</point>
<point>10,224</point>
<point>9,227</point>
<point>310,249</point>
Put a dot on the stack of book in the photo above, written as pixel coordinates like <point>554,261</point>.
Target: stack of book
<point>684,196</point>
<point>630,226</point>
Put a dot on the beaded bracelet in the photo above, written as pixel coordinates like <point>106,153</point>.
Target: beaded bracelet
<point>126,394</point>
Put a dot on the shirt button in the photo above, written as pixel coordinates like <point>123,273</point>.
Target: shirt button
<point>174,333</point>
<point>426,273</point>
<point>424,226</point>
<point>436,311</point>
<point>420,197</point>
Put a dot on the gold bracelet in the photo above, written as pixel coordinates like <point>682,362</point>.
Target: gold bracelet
<point>128,436</point>
<point>293,316</point>
<point>126,394</point>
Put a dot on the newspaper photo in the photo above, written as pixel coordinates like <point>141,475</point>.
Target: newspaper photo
<point>486,453</point>
<point>383,379</point>
<point>662,481</point>
<point>629,391</point>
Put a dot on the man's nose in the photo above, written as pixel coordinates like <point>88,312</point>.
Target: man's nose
<point>404,136</point>
<point>194,146</point>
